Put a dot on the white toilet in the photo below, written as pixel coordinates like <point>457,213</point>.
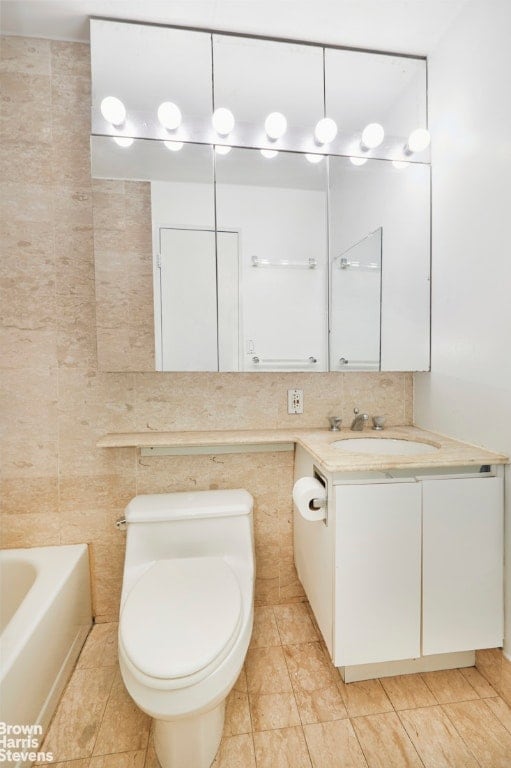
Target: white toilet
<point>186,615</point>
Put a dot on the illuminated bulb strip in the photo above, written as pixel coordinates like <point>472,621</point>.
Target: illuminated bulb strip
<point>169,115</point>
<point>372,136</point>
<point>358,160</point>
<point>113,110</point>
<point>223,121</point>
<point>325,131</point>
<point>418,141</point>
<point>275,125</point>
<point>222,149</point>
<point>123,141</point>
<point>174,146</point>
<point>314,159</point>
<point>269,153</point>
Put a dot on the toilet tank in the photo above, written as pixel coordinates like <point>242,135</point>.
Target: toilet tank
<point>189,524</point>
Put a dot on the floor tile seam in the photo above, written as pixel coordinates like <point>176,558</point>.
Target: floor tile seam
<point>462,670</point>
<point>442,706</point>
<point>408,734</point>
<point>403,709</point>
<point>452,725</point>
<point>366,760</point>
<point>286,728</point>
<point>61,699</point>
<point>107,699</point>
<point>298,708</point>
<point>345,717</point>
<point>424,678</point>
<point>493,713</point>
<point>304,735</point>
<point>358,717</point>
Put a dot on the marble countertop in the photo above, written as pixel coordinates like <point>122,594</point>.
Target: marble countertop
<point>317,442</point>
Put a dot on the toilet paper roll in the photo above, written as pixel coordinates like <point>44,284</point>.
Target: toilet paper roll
<point>305,491</point>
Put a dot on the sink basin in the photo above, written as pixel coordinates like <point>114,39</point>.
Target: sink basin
<point>383,445</point>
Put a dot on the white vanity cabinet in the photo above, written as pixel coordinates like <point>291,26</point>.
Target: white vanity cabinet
<point>406,572</point>
<point>462,564</point>
<point>377,572</point>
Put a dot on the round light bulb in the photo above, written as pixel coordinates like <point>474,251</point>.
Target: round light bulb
<point>400,164</point>
<point>269,153</point>
<point>358,160</point>
<point>174,146</point>
<point>314,158</point>
<point>325,131</point>
<point>169,115</point>
<point>275,125</point>
<point>223,121</point>
<point>222,149</point>
<point>418,140</point>
<point>113,110</point>
<point>123,141</point>
<point>372,136</point>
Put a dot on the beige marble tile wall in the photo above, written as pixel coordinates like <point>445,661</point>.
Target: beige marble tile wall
<point>57,487</point>
<point>121,217</point>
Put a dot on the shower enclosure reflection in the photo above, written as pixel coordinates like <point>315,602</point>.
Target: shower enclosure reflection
<point>355,305</point>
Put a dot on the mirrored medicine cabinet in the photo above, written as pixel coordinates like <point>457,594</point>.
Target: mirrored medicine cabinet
<point>212,255</point>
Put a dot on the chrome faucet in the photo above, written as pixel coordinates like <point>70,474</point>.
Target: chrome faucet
<point>357,425</point>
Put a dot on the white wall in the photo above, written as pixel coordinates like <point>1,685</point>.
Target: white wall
<point>468,392</point>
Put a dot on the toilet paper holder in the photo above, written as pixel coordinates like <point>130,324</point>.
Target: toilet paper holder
<point>320,503</point>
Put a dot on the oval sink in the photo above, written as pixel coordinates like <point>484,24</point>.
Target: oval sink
<point>383,445</point>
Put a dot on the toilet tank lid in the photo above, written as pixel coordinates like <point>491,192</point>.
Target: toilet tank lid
<point>161,507</point>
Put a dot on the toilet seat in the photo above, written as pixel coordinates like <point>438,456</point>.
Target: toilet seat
<point>181,617</point>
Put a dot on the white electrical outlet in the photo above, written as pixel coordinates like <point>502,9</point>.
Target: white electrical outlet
<point>295,400</point>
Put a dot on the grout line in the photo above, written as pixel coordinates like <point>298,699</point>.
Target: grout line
<point>446,714</point>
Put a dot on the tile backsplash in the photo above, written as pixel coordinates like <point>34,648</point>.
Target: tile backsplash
<point>57,487</point>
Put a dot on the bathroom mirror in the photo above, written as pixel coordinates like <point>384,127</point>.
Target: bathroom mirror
<point>231,259</point>
<point>275,211</point>
<point>145,66</point>
<point>256,77</point>
<point>363,88</point>
<point>379,207</point>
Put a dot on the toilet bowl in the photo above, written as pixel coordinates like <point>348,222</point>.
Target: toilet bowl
<point>186,615</point>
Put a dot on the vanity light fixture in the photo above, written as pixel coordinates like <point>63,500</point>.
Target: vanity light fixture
<point>269,153</point>
<point>113,110</point>
<point>358,160</point>
<point>372,136</point>
<point>123,141</point>
<point>325,130</point>
<point>418,140</point>
<point>223,121</point>
<point>275,125</point>
<point>314,159</point>
<point>169,115</point>
<point>174,146</point>
<point>222,149</point>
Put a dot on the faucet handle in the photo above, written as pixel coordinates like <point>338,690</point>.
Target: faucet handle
<point>335,423</point>
<point>378,422</point>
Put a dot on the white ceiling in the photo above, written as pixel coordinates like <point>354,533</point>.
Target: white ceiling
<point>403,26</point>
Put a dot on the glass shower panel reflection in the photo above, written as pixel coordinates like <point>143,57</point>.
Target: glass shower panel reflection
<point>356,306</point>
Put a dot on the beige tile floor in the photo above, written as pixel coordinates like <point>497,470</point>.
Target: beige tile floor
<point>290,709</point>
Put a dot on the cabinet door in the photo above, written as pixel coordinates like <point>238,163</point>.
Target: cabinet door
<point>378,573</point>
<point>462,564</point>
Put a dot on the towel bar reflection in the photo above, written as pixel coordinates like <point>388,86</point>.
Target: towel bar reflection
<point>309,264</point>
<point>347,264</point>
<point>345,361</point>
<point>310,360</point>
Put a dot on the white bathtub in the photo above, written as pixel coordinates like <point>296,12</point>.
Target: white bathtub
<point>45,616</point>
